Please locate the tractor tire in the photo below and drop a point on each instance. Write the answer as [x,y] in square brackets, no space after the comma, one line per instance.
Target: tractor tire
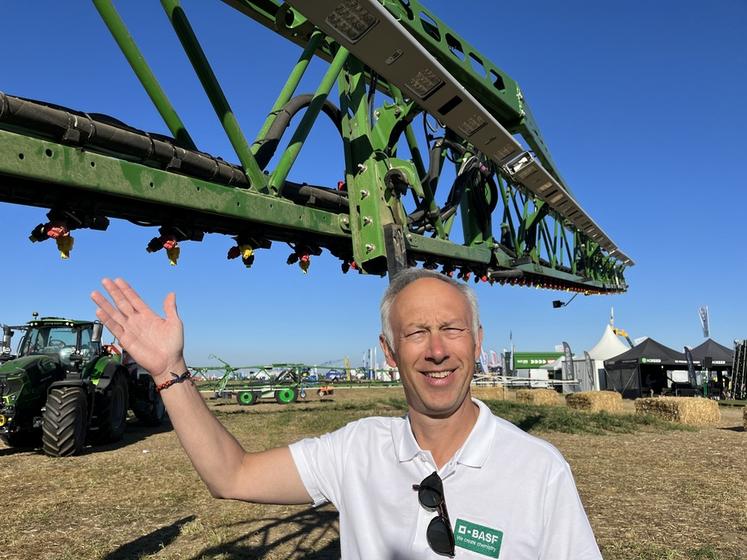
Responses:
[246,398]
[286,396]
[21,439]
[111,411]
[150,411]
[64,421]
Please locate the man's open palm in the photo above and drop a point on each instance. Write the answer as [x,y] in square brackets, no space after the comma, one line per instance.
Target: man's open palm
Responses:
[155,343]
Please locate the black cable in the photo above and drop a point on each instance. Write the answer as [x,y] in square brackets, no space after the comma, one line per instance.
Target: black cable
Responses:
[269,144]
[371,95]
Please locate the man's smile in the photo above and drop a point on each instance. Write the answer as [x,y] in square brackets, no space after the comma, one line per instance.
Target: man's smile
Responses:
[439,374]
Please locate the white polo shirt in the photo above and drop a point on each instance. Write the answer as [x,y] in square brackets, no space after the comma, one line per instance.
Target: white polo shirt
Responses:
[509,495]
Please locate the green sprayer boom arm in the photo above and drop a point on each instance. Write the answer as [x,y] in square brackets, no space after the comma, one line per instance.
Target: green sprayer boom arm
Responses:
[390,62]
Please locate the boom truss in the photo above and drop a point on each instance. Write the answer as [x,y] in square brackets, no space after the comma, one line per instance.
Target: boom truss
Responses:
[519,221]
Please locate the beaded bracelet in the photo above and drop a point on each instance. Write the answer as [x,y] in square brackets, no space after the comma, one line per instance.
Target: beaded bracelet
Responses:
[177,379]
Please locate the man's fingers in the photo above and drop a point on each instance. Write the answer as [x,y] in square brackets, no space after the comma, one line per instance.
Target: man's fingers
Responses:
[114,327]
[118,296]
[132,296]
[169,307]
[111,312]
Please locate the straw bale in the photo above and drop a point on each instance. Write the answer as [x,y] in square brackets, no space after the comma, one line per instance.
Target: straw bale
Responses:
[744,418]
[595,401]
[684,410]
[488,392]
[542,397]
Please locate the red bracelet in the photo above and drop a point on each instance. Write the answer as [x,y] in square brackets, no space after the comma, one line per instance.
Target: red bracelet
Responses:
[177,379]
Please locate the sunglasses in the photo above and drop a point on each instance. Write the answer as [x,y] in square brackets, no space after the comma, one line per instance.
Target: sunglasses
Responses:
[431,496]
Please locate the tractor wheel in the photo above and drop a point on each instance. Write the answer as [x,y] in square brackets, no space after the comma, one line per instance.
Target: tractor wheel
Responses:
[111,412]
[246,398]
[64,421]
[21,439]
[150,411]
[286,396]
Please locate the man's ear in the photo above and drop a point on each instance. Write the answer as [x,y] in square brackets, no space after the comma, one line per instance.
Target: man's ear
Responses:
[388,352]
[478,343]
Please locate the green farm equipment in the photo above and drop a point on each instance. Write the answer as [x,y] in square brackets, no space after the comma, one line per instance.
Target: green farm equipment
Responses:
[284,389]
[279,382]
[64,388]
[476,193]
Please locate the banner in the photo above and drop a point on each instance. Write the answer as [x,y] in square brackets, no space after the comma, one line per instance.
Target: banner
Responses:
[530,360]
[690,368]
[592,373]
[568,361]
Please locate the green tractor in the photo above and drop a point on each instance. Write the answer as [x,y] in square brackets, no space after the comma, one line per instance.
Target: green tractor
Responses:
[64,388]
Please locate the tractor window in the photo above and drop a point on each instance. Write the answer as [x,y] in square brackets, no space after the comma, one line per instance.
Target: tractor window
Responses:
[48,340]
[86,348]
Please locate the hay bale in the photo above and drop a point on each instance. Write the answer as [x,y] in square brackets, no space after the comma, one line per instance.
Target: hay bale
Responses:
[541,397]
[744,418]
[595,401]
[487,392]
[693,411]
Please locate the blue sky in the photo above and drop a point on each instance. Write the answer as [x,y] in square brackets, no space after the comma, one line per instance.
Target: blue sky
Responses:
[641,104]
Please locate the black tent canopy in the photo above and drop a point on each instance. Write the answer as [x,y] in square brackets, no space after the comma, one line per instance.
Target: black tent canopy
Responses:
[719,354]
[718,360]
[644,369]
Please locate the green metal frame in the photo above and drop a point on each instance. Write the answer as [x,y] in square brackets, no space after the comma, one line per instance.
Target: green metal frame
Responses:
[522,241]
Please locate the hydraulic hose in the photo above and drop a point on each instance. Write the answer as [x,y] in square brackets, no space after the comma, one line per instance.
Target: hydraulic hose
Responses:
[269,144]
[105,134]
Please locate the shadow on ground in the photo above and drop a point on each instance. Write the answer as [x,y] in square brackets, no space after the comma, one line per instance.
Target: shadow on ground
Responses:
[299,535]
[529,422]
[135,432]
[150,543]
[311,533]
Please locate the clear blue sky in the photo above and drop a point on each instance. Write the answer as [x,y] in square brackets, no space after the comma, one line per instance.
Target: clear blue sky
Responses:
[641,104]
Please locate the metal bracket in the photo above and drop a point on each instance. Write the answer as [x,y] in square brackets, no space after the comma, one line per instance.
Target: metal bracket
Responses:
[396,252]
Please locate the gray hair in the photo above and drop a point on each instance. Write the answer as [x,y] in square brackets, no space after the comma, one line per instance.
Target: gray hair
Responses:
[406,277]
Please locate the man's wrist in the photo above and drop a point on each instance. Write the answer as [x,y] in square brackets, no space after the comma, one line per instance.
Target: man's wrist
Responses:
[186,376]
[177,367]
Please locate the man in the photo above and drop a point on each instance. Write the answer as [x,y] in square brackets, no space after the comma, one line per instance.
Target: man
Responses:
[509,495]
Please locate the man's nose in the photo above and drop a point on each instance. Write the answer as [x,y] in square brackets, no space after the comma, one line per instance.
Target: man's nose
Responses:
[436,350]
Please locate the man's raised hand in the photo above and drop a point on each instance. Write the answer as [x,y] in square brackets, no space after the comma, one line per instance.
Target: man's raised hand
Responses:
[156,343]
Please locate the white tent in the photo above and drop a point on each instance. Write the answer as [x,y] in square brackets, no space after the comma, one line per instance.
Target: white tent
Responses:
[608,346]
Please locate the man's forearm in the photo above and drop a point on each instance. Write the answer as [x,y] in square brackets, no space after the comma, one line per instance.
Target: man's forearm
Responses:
[214,452]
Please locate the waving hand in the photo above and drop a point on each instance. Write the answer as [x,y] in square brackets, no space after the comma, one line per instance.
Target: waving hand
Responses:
[155,342]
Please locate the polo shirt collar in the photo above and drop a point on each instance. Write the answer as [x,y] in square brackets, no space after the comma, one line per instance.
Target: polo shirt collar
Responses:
[473,453]
[476,449]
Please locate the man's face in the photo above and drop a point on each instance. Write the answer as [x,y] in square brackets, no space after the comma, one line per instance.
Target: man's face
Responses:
[434,346]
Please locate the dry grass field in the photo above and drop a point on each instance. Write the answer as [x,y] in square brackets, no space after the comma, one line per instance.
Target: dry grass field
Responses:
[651,492]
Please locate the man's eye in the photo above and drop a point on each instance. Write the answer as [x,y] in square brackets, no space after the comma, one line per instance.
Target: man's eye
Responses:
[453,332]
[414,335]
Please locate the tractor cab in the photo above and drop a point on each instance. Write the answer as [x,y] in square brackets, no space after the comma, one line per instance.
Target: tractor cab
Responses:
[69,342]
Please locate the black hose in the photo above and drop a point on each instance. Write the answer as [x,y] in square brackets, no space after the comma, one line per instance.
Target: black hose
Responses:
[466,177]
[269,144]
[106,134]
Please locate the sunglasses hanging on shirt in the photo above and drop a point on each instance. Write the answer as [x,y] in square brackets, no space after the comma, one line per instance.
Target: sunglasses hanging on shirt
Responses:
[431,496]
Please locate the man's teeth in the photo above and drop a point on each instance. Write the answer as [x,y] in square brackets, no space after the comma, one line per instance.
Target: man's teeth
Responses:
[439,374]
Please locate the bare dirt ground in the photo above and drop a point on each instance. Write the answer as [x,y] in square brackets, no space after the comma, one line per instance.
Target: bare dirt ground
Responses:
[649,495]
